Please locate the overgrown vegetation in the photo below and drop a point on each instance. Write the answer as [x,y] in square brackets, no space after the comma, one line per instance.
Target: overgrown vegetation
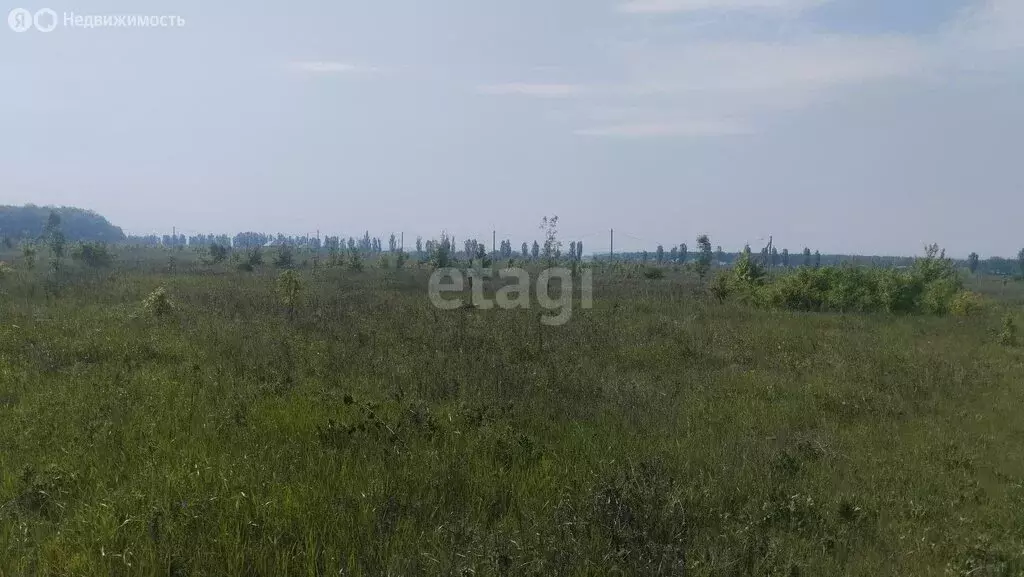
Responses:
[932,285]
[173,416]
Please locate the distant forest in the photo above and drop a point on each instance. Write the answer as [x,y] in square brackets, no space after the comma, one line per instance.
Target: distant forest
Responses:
[28,222]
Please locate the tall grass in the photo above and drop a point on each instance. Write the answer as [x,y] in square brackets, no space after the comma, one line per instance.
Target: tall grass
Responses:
[356,430]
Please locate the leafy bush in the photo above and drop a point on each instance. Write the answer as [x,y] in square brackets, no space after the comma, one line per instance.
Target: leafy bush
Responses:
[253,259]
[288,288]
[654,273]
[966,303]
[218,253]
[93,254]
[721,287]
[748,271]
[157,303]
[931,286]
[285,257]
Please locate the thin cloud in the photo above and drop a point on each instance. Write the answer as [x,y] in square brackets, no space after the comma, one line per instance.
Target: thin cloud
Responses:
[532,90]
[668,129]
[688,89]
[677,6]
[331,67]
[990,25]
[685,87]
[804,65]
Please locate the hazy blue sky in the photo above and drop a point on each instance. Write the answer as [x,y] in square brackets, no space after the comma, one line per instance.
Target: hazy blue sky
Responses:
[869,126]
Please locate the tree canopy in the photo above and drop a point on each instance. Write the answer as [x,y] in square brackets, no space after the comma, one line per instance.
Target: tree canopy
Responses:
[30,221]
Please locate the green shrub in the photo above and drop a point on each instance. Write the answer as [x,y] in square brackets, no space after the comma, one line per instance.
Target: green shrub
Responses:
[288,288]
[285,257]
[931,286]
[158,303]
[721,287]
[654,273]
[966,303]
[1008,335]
[747,271]
[93,254]
[355,261]
[937,296]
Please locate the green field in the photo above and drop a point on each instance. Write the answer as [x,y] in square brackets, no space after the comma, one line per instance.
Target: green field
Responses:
[367,433]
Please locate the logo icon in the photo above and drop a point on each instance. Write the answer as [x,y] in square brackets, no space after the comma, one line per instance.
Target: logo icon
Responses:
[20,20]
[45,20]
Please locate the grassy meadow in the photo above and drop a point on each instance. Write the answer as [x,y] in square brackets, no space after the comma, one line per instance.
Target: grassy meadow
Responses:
[365,432]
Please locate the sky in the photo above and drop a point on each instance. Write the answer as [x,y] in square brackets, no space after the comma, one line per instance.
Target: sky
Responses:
[849,126]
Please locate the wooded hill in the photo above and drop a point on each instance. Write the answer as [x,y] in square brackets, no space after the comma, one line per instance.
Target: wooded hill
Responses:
[29,222]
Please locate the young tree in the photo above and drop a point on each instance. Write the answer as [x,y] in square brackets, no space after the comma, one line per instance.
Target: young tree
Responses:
[93,254]
[785,257]
[392,243]
[703,264]
[288,288]
[254,259]
[817,259]
[775,257]
[440,255]
[52,221]
[552,246]
[747,270]
[659,254]
[28,252]
[972,262]
[218,253]
[579,250]
[525,250]
[355,260]
[54,236]
[1020,261]
[807,257]
[673,255]
[419,244]
[572,250]
[285,257]
[684,253]
[535,251]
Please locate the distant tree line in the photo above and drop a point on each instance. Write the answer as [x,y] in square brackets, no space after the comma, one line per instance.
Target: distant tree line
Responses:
[36,224]
[29,223]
